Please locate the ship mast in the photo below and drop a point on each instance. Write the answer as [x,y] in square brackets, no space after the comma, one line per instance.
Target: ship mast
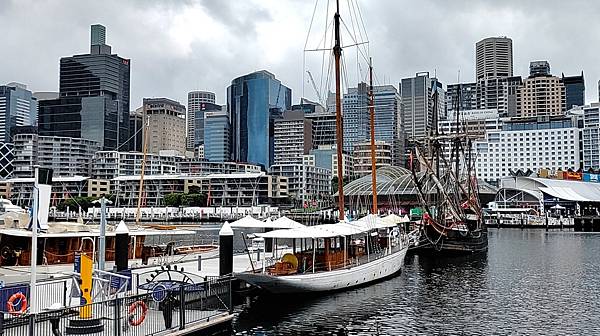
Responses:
[373,162]
[337,53]
[141,190]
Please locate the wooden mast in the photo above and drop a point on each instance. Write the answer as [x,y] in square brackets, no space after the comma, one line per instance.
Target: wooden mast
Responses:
[337,53]
[140,192]
[373,156]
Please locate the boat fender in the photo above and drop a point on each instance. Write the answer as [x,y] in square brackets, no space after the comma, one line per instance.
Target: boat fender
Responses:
[132,312]
[17,300]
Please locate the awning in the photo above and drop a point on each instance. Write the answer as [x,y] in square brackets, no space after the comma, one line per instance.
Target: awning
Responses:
[317,231]
[371,222]
[568,194]
[395,219]
[286,223]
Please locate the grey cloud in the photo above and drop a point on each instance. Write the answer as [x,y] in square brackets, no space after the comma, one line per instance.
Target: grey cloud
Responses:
[405,37]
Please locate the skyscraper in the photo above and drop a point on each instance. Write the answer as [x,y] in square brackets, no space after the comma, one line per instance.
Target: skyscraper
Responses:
[17,108]
[417,105]
[574,90]
[537,68]
[253,102]
[217,137]
[494,64]
[355,109]
[197,106]
[465,93]
[494,57]
[94,96]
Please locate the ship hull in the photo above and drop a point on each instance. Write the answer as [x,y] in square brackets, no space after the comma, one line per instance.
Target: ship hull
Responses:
[453,244]
[335,280]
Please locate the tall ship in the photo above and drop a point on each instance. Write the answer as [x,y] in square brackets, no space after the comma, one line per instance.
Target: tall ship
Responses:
[343,255]
[444,173]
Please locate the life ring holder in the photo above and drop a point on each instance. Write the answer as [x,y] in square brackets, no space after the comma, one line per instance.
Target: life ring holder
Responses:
[133,309]
[21,300]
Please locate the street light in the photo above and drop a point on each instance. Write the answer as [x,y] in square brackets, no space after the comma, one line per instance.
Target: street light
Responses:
[102,238]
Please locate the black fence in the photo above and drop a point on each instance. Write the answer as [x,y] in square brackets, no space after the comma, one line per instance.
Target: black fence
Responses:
[156,312]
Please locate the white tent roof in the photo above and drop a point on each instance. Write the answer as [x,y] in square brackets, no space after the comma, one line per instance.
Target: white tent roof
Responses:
[317,231]
[371,222]
[286,223]
[248,222]
[280,223]
[395,219]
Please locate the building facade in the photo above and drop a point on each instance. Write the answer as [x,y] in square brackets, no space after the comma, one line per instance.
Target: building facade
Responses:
[65,156]
[494,58]
[528,143]
[106,165]
[94,97]
[541,95]
[307,184]
[462,96]
[324,128]
[254,101]
[7,158]
[18,107]
[217,137]
[591,136]
[362,157]
[166,125]
[574,90]
[325,156]
[198,103]
[417,105]
[292,137]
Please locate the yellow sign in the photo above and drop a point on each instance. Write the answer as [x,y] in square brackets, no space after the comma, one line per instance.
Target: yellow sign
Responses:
[85,272]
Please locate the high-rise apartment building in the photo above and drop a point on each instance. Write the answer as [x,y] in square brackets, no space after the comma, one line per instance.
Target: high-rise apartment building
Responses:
[574,90]
[166,125]
[293,137]
[254,101]
[94,96]
[18,107]
[541,95]
[66,156]
[217,137]
[325,156]
[324,128]
[198,103]
[494,58]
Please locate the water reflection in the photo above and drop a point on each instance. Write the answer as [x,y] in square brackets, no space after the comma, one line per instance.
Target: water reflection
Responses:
[529,282]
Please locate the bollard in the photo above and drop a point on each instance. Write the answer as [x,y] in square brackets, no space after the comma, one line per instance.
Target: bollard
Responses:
[121,246]
[225,250]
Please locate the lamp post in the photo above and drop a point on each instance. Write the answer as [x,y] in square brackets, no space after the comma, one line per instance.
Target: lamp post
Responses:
[102,237]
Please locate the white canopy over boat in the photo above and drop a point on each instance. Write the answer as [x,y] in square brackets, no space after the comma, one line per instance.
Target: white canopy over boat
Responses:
[286,223]
[395,219]
[371,222]
[280,223]
[318,231]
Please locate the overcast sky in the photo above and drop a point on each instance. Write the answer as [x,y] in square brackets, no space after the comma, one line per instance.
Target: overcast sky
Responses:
[180,46]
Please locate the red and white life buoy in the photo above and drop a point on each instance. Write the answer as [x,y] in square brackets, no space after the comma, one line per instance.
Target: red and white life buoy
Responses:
[133,311]
[17,300]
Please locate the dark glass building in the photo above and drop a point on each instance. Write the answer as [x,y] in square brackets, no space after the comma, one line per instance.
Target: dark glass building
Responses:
[253,102]
[94,97]
[199,117]
[574,90]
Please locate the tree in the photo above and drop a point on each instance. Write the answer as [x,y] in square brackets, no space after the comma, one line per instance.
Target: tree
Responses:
[173,199]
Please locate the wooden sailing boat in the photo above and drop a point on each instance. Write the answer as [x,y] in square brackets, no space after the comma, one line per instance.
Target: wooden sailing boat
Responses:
[448,192]
[342,255]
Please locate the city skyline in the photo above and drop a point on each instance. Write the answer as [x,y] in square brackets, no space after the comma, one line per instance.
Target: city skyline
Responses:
[202,45]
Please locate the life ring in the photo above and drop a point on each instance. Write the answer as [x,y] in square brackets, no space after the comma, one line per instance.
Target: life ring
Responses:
[132,312]
[21,300]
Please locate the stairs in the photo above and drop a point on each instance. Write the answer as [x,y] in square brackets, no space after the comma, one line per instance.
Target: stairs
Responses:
[84,327]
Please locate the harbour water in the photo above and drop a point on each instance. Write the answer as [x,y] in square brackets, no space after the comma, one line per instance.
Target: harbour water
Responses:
[530,282]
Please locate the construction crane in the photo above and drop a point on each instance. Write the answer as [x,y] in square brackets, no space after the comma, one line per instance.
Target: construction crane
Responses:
[312,81]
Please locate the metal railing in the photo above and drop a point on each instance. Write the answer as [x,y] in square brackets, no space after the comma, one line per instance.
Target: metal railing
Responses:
[150,313]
